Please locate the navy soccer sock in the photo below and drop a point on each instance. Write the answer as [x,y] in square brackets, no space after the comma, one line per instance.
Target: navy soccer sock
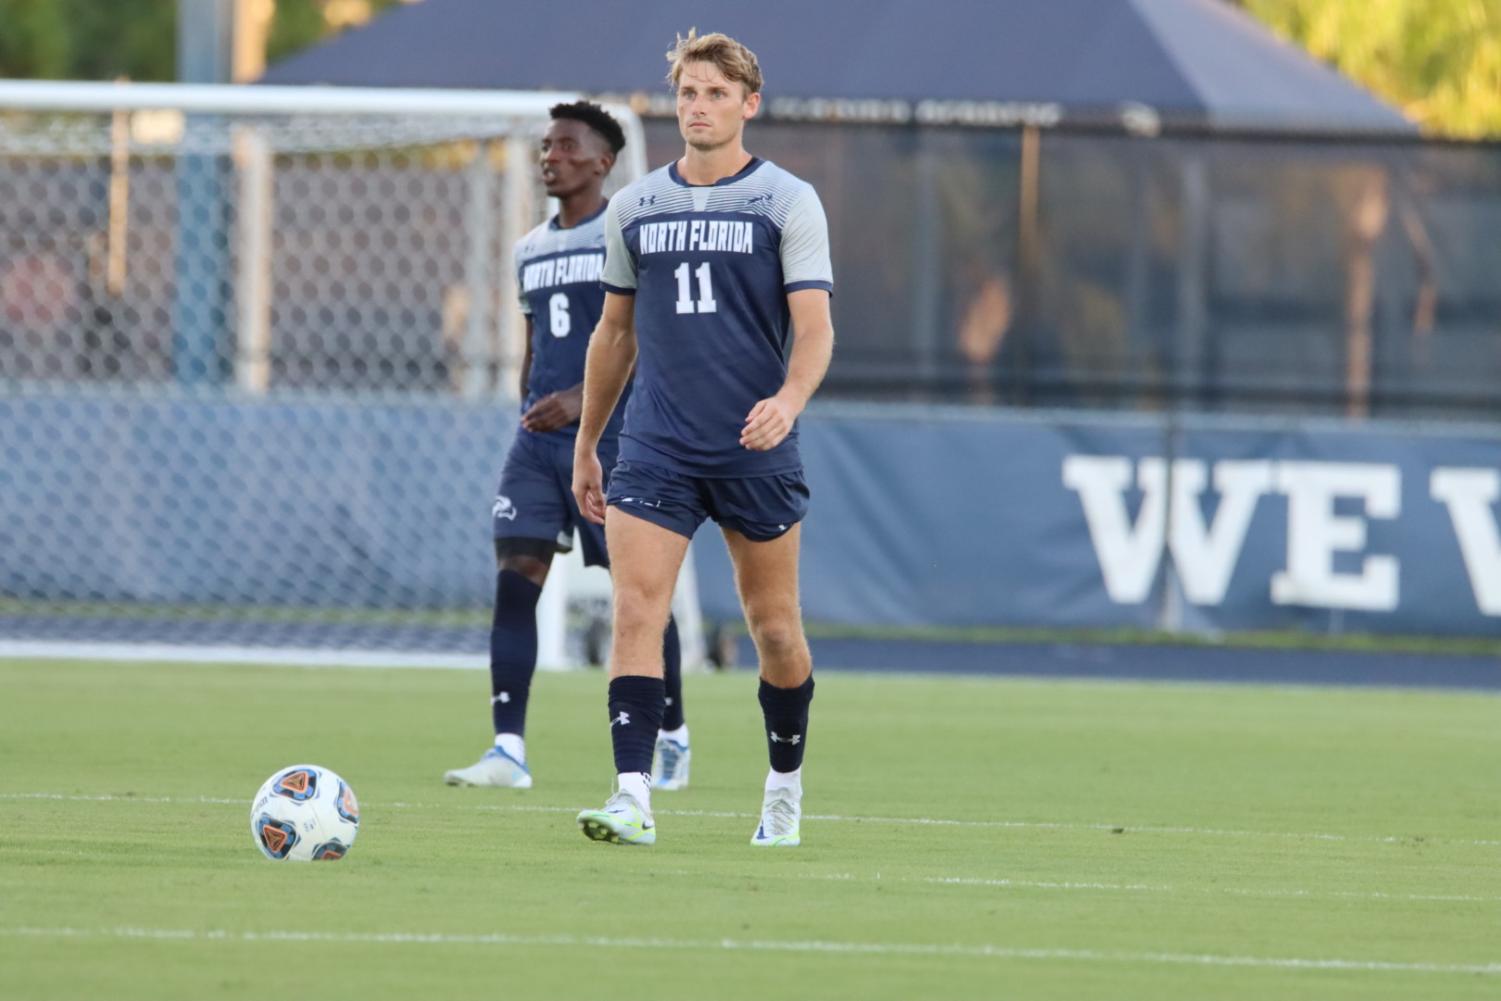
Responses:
[786,714]
[635,717]
[672,677]
[513,650]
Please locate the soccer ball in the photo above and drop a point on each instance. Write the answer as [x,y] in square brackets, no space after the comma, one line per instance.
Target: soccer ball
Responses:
[304,813]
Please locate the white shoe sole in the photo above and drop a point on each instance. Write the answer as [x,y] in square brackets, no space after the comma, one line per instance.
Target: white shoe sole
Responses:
[458,778]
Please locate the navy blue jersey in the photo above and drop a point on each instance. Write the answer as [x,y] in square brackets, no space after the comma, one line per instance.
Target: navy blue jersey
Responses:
[558,274]
[710,267]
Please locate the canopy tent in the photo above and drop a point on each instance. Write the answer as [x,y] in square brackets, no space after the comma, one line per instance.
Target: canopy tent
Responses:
[1194,63]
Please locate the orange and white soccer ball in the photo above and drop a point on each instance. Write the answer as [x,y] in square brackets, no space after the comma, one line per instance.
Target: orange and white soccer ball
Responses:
[304,813]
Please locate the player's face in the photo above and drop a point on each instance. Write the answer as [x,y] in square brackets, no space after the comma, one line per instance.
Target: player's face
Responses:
[711,109]
[573,157]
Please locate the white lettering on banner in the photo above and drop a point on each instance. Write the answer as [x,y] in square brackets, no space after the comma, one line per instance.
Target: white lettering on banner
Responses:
[1128,555]
[1469,494]
[1315,533]
[1204,555]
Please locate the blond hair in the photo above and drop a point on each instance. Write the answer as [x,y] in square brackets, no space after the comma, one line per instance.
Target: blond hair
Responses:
[734,60]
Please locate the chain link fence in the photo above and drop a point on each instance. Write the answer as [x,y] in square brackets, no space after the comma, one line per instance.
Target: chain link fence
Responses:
[258,363]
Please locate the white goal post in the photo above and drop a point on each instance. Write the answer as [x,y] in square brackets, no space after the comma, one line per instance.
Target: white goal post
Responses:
[363,240]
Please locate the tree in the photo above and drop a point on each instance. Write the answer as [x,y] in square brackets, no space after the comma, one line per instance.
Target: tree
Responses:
[99,40]
[1440,60]
[34,41]
[300,23]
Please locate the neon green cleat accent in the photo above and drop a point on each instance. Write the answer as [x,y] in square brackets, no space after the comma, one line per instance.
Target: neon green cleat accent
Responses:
[623,821]
[781,811]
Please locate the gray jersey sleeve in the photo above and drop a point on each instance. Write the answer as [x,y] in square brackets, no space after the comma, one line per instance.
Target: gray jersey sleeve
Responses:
[805,245]
[526,307]
[620,266]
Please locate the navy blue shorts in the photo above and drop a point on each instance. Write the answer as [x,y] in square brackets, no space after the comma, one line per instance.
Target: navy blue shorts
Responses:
[534,510]
[761,508]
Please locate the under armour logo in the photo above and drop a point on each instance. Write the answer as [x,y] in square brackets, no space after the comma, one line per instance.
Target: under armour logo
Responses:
[624,719]
[794,740]
[501,697]
[646,200]
[503,508]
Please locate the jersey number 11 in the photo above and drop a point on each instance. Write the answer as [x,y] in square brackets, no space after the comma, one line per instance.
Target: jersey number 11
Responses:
[706,303]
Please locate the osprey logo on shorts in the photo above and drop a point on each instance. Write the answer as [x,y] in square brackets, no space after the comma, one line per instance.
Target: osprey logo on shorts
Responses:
[503,508]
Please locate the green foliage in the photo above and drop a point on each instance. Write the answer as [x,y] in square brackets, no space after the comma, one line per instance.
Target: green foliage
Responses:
[1440,60]
[132,38]
[88,40]
[300,23]
[105,39]
[33,39]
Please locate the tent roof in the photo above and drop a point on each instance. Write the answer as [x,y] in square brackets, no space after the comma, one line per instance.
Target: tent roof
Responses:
[1197,62]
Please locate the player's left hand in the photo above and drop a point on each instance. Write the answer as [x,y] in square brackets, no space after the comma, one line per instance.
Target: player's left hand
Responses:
[555,410]
[589,485]
[768,423]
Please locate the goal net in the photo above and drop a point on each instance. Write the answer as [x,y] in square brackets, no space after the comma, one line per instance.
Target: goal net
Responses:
[259,365]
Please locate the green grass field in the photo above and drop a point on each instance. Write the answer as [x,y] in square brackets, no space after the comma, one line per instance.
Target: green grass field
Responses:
[963,838]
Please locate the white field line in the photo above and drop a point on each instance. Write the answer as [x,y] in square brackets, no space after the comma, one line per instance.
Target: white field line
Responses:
[175,653]
[969,881]
[1034,825]
[758,945]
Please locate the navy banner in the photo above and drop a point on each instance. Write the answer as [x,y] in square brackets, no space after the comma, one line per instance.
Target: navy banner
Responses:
[920,517]
[967,519]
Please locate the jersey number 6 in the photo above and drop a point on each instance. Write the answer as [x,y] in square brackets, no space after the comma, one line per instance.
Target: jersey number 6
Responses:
[557,315]
[706,303]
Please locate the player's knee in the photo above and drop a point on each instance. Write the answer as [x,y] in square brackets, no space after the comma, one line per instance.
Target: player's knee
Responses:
[639,607]
[777,633]
[530,567]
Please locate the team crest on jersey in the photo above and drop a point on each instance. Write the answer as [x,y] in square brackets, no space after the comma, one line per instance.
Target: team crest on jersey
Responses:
[503,508]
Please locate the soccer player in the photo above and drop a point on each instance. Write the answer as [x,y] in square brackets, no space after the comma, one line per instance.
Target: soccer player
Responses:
[558,268]
[717,282]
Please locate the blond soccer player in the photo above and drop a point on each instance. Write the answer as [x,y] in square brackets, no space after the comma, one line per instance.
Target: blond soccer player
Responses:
[717,283]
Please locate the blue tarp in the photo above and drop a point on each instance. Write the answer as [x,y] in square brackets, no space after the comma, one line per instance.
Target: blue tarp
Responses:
[1198,62]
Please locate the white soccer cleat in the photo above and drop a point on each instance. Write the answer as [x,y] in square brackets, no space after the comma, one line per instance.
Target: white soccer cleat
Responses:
[669,764]
[623,821]
[781,811]
[496,768]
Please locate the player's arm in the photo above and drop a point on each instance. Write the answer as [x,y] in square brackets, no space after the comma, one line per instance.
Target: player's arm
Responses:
[526,360]
[808,279]
[555,410]
[771,420]
[607,367]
